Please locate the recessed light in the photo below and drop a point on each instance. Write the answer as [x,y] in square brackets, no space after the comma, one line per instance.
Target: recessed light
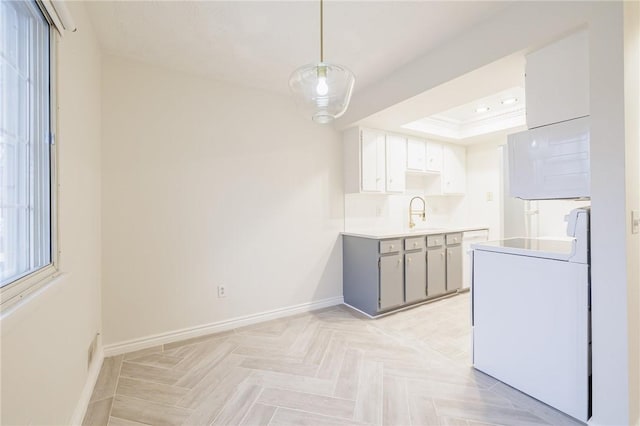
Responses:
[482,109]
[509,101]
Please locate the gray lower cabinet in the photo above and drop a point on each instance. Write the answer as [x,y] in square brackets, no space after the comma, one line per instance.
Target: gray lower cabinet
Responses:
[415,276]
[436,271]
[382,275]
[391,282]
[373,274]
[454,267]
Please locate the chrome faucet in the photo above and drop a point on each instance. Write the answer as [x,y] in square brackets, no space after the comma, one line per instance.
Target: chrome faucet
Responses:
[422,213]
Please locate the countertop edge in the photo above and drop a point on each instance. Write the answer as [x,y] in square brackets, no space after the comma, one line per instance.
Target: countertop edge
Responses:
[497,247]
[414,233]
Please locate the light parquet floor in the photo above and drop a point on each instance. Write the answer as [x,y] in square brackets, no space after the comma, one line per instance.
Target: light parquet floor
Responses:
[327,367]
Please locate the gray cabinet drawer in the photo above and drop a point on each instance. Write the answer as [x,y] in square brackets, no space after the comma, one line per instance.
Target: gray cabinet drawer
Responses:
[415,243]
[435,240]
[390,246]
[454,238]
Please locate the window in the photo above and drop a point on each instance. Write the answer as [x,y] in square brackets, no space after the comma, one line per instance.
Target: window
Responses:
[25,148]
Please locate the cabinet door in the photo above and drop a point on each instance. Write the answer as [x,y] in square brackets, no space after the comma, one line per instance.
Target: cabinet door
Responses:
[454,268]
[416,154]
[391,282]
[436,272]
[454,176]
[415,276]
[434,157]
[372,161]
[557,81]
[396,163]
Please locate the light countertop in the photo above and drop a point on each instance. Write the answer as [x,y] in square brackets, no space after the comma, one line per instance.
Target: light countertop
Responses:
[380,234]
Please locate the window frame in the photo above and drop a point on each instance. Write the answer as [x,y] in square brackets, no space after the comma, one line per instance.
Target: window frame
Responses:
[28,285]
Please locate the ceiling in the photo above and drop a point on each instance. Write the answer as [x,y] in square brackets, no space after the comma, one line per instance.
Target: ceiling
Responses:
[259,44]
[499,111]
[455,102]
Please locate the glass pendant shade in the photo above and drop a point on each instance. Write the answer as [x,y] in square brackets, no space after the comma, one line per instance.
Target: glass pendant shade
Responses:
[322,90]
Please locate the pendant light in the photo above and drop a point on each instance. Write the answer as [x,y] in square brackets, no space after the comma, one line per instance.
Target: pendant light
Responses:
[322,89]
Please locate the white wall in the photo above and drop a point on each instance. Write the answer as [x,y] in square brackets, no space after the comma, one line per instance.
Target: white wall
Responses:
[484,163]
[206,184]
[45,341]
[365,212]
[632,167]
[530,25]
[612,311]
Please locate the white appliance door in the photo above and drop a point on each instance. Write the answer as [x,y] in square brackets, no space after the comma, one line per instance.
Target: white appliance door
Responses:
[530,327]
[550,162]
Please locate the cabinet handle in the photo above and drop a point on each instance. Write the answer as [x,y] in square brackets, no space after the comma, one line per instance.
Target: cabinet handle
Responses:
[408,259]
[442,255]
[415,244]
[391,246]
[399,262]
[449,254]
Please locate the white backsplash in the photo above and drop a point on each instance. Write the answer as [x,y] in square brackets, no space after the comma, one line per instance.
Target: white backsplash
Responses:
[391,211]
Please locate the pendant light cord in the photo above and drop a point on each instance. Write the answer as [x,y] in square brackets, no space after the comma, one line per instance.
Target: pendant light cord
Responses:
[321,33]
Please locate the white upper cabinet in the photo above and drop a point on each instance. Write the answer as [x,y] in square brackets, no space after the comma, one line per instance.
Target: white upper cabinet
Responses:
[454,177]
[372,161]
[557,81]
[423,156]
[434,157]
[416,154]
[377,162]
[396,154]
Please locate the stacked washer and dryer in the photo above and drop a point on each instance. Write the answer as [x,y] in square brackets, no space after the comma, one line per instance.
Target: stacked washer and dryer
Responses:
[531,297]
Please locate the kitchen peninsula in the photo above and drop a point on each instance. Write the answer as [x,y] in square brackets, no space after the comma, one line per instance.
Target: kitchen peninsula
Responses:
[388,270]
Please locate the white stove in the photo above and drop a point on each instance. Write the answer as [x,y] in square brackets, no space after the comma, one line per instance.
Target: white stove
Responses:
[531,311]
[537,247]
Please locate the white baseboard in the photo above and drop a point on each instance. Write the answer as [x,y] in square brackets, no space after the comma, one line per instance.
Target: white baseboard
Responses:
[404,308]
[90,383]
[216,327]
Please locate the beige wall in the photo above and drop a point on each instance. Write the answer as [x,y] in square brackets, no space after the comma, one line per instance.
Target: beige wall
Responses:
[45,341]
[632,158]
[206,184]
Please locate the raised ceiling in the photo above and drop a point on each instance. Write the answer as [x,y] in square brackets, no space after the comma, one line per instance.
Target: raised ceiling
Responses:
[493,113]
[455,101]
[259,44]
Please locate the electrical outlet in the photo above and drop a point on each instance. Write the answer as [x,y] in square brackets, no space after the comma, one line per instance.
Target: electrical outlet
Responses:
[489,196]
[222,291]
